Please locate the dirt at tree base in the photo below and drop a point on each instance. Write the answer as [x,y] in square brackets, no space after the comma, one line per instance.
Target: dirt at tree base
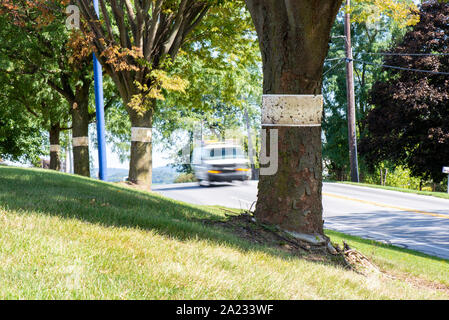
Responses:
[246,227]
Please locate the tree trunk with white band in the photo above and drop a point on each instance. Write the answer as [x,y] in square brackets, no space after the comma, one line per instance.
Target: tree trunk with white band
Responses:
[293,38]
[55,159]
[140,165]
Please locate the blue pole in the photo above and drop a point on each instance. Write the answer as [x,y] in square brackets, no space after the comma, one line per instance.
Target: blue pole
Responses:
[99,103]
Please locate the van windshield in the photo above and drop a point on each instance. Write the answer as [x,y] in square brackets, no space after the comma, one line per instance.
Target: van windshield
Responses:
[223,153]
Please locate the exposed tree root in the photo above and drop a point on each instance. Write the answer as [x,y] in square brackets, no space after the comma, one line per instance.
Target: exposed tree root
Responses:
[357,260]
[309,247]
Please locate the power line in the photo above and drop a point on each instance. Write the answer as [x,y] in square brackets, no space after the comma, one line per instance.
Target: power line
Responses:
[405,54]
[333,59]
[400,68]
[384,66]
[336,65]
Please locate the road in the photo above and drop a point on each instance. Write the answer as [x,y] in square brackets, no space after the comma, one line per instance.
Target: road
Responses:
[406,220]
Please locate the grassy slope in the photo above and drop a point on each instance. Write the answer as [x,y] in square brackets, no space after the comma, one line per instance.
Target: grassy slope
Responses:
[424,193]
[70,237]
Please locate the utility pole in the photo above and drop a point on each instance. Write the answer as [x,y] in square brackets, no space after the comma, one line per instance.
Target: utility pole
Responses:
[352,133]
[99,101]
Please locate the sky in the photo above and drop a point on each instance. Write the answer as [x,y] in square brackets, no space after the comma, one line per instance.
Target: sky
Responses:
[113,160]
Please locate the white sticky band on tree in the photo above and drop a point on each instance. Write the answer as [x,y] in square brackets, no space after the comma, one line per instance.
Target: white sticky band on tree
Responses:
[292,110]
[55,148]
[80,141]
[139,134]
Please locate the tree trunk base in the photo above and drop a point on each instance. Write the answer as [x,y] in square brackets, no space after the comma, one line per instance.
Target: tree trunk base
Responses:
[81,161]
[143,187]
[315,248]
[307,246]
[292,197]
[141,159]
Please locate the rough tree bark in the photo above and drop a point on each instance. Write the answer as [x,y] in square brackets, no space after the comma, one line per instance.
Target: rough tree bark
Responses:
[55,160]
[293,38]
[80,129]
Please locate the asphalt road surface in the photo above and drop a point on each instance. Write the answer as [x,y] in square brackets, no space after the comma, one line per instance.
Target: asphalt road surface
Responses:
[406,220]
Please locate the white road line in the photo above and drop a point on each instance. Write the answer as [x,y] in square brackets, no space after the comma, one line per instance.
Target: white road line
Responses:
[381,236]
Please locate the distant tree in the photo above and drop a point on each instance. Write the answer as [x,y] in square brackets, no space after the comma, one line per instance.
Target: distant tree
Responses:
[214,103]
[211,56]
[409,122]
[30,100]
[35,42]
[373,30]
[136,42]
[21,136]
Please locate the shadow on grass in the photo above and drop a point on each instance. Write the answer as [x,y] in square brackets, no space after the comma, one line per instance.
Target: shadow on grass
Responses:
[109,205]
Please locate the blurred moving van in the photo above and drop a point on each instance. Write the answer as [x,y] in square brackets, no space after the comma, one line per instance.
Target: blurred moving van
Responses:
[220,162]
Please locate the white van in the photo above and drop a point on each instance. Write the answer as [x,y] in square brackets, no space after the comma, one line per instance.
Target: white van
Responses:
[220,162]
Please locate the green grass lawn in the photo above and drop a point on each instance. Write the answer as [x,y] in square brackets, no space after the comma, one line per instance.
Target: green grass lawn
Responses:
[442,195]
[66,237]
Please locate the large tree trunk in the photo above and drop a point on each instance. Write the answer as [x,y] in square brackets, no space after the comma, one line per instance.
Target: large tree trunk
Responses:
[55,160]
[141,162]
[80,133]
[293,38]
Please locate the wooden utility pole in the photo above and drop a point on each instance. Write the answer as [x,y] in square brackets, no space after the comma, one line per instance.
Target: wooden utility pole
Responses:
[352,134]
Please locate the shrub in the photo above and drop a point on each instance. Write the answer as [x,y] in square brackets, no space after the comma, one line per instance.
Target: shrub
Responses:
[185,177]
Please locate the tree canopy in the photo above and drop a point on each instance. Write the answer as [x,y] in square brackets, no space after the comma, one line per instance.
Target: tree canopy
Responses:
[408,124]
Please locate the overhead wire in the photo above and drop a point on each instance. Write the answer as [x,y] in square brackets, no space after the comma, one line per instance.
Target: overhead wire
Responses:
[399,68]
[336,65]
[405,54]
[389,66]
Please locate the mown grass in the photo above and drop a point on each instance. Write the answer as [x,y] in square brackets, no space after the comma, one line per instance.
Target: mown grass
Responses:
[442,195]
[66,237]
